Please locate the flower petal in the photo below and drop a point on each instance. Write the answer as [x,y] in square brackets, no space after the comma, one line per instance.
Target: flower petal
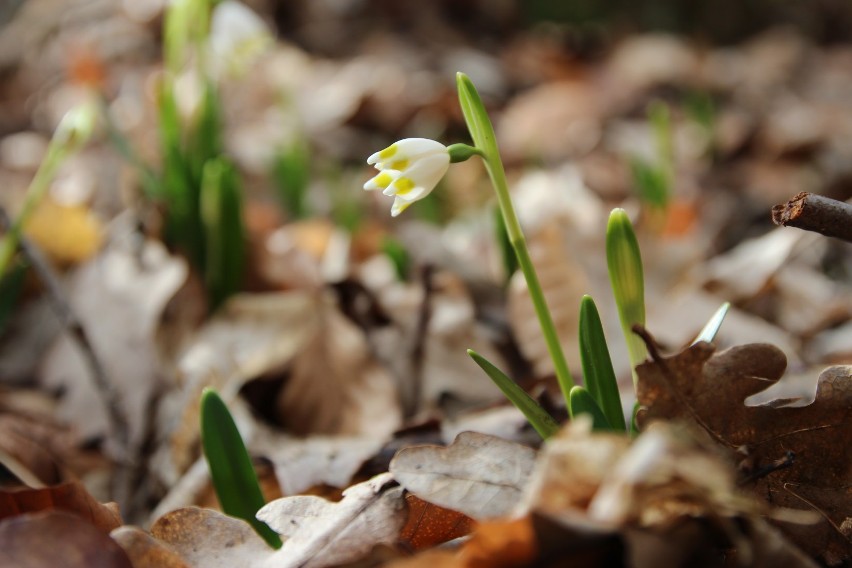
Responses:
[381,180]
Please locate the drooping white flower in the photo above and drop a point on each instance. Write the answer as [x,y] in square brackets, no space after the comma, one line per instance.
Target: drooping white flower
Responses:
[408,170]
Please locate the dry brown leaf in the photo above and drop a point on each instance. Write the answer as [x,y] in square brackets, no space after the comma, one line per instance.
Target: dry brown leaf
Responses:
[205,538]
[118,297]
[57,538]
[145,551]
[795,457]
[429,525]
[335,385]
[479,475]
[71,497]
[317,532]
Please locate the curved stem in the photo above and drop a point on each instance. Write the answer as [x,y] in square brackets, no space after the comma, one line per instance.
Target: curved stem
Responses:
[483,136]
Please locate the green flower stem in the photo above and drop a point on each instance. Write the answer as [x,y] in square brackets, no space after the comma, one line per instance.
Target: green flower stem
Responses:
[71,134]
[484,139]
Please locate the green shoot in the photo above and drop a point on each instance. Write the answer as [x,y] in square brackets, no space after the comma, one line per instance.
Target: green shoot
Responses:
[538,417]
[708,333]
[598,373]
[482,133]
[292,174]
[654,180]
[507,255]
[231,470]
[624,262]
[71,135]
[11,288]
[399,257]
[581,402]
[221,216]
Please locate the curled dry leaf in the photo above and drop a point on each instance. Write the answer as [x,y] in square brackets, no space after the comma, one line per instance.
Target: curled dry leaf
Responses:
[57,538]
[479,475]
[795,457]
[317,532]
[70,497]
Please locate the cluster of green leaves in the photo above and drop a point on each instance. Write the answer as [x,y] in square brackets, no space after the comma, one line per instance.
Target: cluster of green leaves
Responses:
[198,185]
[600,396]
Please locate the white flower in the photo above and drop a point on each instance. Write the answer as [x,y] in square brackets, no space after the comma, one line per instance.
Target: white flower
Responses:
[409,170]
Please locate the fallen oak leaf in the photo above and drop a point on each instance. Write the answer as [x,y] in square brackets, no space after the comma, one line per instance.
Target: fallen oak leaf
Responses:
[479,475]
[71,497]
[318,532]
[710,389]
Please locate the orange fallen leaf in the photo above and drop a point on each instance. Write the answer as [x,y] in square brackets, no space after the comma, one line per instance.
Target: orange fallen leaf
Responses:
[429,525]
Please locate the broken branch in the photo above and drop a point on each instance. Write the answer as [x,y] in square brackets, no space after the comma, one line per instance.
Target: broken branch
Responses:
[816,213]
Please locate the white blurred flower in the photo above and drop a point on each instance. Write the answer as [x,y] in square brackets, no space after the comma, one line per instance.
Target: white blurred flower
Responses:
[237,37]
[408,170]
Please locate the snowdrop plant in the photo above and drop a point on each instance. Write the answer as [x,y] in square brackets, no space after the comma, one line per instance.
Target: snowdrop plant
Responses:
[410,169]
[72,133]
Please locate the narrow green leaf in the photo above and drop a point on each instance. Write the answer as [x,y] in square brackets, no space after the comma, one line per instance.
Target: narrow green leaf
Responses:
[11,288]
[598,373]
[650,182]
[477,120]
[624,262]
[399,257]
[712,327]
[205,140]
[507,253]
[581,402]
[221,212]
[231,470]
[292,174]
[538,417]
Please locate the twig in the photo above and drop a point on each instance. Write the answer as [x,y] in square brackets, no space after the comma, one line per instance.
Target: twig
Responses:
[816,213]
[418,352]
[71,323]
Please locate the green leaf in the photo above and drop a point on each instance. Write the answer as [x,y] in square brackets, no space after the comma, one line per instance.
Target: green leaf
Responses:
[651,183]
[476,118]
[507,253]
[231,470]
[598,373]
[581,402]
[221,212]
[398,256]
[292,174]
[11,288]
[538,417]
[205,140]
[708,333]
[624,262]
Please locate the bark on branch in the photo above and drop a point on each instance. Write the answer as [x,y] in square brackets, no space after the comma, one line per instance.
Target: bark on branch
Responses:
[816,213]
